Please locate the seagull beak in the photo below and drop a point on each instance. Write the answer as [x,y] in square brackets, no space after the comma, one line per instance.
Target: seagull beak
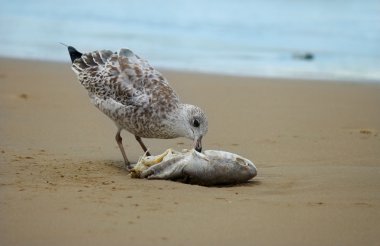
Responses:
[198,144]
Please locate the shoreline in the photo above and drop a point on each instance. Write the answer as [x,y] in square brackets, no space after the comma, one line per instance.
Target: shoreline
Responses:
[231,75]
[315,145]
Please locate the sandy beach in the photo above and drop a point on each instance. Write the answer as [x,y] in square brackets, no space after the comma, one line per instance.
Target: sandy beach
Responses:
[316,145]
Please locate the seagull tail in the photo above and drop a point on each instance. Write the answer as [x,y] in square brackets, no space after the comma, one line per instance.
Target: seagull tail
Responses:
[74,54]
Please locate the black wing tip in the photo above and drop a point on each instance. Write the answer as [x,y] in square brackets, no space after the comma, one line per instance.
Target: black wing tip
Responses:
[74,54]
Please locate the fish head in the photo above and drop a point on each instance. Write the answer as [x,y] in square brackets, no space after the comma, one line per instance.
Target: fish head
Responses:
[245,166]
[237,165]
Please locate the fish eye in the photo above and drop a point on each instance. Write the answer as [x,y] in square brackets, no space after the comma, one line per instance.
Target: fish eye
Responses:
[241,161]
[196,123]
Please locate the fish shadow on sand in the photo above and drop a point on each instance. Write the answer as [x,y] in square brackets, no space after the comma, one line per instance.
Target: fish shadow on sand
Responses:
[249,183]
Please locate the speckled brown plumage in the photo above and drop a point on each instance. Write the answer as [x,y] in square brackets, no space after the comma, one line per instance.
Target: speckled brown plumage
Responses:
[136,97]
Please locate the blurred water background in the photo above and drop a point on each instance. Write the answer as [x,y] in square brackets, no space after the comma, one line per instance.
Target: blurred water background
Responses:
[316,39]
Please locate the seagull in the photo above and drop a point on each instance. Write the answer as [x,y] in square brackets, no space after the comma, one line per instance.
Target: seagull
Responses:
[137,98]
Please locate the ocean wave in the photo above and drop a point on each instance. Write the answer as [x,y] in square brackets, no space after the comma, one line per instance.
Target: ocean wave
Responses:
[246,38]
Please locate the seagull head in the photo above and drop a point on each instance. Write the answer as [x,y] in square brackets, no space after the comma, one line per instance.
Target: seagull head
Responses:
[195,125]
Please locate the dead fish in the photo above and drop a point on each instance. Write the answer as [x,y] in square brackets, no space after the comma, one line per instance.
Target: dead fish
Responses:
[213,167]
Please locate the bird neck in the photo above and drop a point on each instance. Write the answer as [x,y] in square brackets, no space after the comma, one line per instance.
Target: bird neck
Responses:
[179,123]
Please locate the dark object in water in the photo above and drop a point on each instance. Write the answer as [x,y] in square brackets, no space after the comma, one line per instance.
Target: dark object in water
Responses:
[304,56]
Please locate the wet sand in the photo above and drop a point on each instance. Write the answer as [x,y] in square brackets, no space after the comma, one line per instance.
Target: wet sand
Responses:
[316,146]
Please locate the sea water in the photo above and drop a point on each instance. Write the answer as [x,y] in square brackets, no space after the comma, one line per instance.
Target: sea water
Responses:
[240,37]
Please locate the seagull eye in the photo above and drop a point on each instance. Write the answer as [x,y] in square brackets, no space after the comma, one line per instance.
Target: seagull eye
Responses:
[196,123]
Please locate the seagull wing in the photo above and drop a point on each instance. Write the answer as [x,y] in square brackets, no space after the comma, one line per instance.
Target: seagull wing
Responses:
[123,77]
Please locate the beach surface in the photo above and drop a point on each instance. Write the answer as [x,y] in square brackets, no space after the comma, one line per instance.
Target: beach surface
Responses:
[316,145]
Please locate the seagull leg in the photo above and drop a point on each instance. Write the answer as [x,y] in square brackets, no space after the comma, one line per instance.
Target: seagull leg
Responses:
[142,145]
[120,144]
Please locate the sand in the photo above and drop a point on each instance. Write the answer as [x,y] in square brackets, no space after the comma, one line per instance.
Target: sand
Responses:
[316,145]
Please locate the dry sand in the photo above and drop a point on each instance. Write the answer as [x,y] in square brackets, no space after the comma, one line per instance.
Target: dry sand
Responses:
[316,146]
